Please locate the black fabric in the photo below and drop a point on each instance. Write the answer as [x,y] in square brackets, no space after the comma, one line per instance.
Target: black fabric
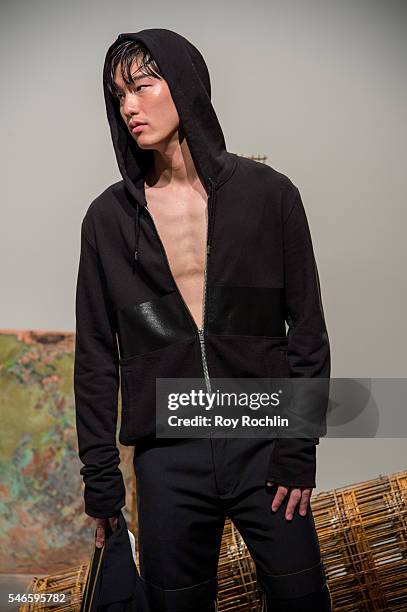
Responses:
[113,583]
[259,251]
[181,513]
[293,462]
[318,601]
[96,385]
[138,385]
[252,311]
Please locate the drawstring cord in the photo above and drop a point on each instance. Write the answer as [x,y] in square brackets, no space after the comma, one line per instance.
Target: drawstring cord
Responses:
[212,199]
[137,235]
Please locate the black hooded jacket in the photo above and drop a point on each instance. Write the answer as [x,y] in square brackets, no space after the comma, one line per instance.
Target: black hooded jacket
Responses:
[132,324]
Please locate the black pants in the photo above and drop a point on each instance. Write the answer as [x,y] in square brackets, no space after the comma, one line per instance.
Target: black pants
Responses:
[185,490]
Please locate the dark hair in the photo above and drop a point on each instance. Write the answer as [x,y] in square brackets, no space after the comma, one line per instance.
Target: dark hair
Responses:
[126,53]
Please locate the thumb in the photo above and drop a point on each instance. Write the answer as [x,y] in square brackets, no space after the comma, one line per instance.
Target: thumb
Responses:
[100,532]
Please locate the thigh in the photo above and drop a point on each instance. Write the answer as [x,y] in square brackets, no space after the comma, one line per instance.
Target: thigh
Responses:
[286,552]
[180,522]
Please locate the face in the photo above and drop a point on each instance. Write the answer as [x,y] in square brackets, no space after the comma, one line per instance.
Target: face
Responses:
[149,101]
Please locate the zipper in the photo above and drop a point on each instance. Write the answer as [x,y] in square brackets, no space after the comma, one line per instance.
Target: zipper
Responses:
[199,330]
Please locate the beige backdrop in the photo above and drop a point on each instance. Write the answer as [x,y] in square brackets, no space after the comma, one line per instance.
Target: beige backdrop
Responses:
[316,86]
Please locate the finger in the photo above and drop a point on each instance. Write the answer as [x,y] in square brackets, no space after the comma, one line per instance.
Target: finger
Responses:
[278,498]
[100,534]
[295,497]
[269,483]
[306,495]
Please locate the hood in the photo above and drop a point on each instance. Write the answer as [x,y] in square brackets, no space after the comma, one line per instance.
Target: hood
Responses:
[185,71]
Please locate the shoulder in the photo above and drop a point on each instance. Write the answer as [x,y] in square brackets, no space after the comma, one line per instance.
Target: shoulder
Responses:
[104,203]
[261,178]
[102,210]
[270,176]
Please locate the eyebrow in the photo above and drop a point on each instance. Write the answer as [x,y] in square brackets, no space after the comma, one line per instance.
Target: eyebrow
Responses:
[135,78]
[140,76]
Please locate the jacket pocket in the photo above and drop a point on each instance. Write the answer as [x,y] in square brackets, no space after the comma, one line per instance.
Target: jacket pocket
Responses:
[246,356]
[138,385]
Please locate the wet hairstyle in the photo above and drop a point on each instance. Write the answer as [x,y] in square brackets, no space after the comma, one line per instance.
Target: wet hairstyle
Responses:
[125,54]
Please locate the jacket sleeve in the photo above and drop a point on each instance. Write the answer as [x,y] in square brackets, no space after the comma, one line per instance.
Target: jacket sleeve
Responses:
[96,384]
[293,460]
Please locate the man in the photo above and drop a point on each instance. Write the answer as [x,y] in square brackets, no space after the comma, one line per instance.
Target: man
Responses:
[190,266]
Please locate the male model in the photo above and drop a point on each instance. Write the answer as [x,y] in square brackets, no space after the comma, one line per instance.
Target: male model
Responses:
[190,267]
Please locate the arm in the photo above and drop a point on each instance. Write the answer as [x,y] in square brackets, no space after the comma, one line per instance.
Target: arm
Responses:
[96,383]
[293,461]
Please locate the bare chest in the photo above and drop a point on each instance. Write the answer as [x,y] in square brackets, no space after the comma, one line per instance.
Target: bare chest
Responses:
[181,222]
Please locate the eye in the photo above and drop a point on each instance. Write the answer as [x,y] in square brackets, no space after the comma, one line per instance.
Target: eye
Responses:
[120,96]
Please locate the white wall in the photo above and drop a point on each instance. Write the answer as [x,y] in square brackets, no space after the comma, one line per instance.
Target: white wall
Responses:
[316,86]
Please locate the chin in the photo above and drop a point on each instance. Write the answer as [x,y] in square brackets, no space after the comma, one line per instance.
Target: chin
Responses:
[144,145]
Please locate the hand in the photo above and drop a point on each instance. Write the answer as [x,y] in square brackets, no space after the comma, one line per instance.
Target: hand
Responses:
[298,494]
[101,525]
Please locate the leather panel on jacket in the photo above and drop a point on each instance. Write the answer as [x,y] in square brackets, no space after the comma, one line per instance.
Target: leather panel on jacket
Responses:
[152,325]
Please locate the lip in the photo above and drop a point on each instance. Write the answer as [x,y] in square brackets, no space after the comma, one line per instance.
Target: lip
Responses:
[138,127]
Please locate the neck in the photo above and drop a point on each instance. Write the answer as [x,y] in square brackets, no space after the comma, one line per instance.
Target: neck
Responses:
[173,167]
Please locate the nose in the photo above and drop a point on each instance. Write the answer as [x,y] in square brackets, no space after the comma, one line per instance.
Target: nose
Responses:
[130,106]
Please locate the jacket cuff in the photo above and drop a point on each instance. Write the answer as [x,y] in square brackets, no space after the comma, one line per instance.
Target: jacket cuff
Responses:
[101,514]
[293,462]
[104,511]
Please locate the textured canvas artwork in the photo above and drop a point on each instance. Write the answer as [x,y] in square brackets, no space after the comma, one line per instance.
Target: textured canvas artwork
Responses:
[43,527]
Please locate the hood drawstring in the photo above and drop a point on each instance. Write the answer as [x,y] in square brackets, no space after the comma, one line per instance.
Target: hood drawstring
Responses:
[211,200]
[137,236]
